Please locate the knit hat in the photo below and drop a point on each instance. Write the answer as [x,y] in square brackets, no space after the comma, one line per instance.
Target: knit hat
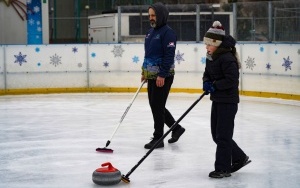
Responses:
[214,36]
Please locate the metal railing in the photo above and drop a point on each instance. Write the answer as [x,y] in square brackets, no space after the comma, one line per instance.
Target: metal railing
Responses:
[269,21]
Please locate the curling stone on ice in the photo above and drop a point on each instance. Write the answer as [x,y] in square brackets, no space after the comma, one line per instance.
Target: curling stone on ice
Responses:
[108,175]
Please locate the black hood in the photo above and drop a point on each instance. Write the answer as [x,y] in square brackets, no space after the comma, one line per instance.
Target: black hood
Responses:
[228,42]
[162,14]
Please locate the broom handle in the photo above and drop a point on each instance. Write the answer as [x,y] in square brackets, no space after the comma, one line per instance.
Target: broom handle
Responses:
[161,139]
[127,109]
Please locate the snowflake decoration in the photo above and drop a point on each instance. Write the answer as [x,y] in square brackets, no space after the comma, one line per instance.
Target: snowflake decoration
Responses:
[38,23]
[79,65]
[36,9]
[29,12]
[250,63]
[20,58]
[203,60]
[31,21]
[268,66]
[179,57]
[28,1]
[74,50]
[298,51]
[55,60]
[287,63]
[105,64]
[39,29]
[135,59]
[261,49]
[37,49]
[93,54]
[117,51]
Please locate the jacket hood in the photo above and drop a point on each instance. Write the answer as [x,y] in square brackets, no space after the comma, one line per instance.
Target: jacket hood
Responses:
[228,42]
[162,14]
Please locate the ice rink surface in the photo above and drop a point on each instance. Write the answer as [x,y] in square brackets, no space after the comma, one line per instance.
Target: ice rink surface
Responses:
[49,141]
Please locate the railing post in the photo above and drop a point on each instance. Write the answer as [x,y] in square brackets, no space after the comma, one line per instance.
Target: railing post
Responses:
[270,20]
[119,24]
[234,20]
[197,23]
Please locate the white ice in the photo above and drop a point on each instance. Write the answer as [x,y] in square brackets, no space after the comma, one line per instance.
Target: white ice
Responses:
[49,141]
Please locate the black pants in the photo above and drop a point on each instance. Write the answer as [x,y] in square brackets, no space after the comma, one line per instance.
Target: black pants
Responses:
[157,99]
[222,127]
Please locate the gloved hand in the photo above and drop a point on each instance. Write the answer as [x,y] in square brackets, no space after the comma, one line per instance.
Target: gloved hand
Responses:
[208,87]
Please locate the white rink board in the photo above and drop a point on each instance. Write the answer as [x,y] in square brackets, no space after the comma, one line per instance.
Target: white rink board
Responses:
[266,67]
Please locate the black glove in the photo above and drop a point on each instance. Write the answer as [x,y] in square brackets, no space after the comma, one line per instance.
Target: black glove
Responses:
[208,87]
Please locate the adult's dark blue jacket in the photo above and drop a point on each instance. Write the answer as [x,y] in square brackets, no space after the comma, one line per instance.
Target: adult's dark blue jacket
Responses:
[223,70]
[160,45]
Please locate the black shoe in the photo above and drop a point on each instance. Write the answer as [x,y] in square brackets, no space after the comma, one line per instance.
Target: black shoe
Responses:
[152,142]
[176,135]
[240,164]
[219,174]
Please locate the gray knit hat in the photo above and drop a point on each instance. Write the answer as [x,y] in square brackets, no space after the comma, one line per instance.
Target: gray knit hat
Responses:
[214,36]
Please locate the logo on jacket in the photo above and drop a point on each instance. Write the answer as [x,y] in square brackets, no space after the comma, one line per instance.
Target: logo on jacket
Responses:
[171,44]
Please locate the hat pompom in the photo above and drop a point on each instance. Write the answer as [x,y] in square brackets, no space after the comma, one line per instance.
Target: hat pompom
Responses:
[217,24]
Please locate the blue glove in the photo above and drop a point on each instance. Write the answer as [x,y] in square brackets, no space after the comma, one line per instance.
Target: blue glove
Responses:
[208,87]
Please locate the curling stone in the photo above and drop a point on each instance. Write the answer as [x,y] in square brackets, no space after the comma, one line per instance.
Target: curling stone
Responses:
[107,175]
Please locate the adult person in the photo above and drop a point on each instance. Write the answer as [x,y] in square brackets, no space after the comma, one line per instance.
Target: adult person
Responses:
[158,71]
[221,81]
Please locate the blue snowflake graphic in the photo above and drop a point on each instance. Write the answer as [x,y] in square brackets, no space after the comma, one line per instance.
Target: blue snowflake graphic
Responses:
[250,63]
[105,64]
[179,57]
[74,50]
[20,58]
[268,66]
[261,49]
[117,51]
[37,49]
[93,54]
[55,60]
[203,60]
[287,63]
[135,59]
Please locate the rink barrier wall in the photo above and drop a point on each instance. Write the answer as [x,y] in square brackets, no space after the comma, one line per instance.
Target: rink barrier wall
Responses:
[268,70]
